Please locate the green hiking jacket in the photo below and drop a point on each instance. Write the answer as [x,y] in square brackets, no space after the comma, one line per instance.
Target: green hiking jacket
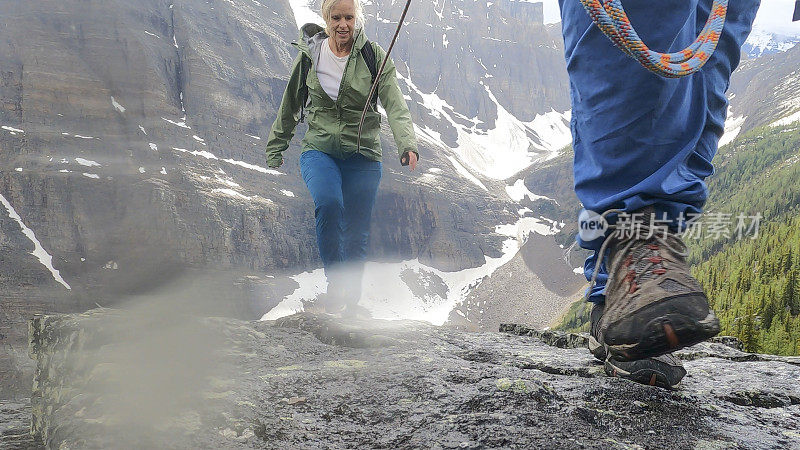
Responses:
[333,126]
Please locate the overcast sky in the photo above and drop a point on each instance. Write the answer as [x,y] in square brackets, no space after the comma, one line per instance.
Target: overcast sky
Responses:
[774,15]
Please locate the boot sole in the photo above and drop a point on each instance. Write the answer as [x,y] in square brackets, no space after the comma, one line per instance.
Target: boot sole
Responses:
[596,349]
[654,375]
[667,334]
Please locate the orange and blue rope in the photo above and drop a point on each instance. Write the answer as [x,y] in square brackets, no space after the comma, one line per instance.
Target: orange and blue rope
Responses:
[610,17]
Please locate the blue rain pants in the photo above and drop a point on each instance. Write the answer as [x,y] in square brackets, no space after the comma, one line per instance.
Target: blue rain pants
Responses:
[344,194]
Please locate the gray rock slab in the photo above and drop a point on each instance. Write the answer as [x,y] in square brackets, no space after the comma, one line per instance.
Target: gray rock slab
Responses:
[15,424]
[309,381]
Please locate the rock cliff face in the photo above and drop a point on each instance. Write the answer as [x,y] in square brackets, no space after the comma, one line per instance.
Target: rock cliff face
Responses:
[503,45]
[763,91]
[486,81]
[309,382]
[141,124]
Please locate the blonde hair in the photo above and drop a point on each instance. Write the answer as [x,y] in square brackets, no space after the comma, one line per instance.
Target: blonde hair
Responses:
[327,5]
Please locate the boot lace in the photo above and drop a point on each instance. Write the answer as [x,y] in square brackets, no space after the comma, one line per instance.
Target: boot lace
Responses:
[645,262]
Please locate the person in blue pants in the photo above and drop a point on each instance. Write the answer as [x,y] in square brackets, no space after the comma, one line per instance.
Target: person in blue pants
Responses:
[643,146]
[331,79]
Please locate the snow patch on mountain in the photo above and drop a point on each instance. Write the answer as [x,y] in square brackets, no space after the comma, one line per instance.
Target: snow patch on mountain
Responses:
[500,152]
[231,193]
[466,173]
[38,250]
[412,290]
[503,151]
[787,120]
[11,130]
[788,91]
[303,13]
[773,29]
[553,130]
[209,155]
[733,126]
[181,123]
[87,162]
[519,191]
[252,167]
[117,106]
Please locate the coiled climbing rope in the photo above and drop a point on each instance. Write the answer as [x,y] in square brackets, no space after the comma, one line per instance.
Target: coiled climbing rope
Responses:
[610,17]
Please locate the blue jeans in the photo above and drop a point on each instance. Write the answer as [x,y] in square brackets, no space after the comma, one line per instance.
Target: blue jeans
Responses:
[344,193]
[640,139]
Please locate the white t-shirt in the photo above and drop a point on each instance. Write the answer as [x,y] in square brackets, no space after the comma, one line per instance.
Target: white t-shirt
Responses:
[330,70]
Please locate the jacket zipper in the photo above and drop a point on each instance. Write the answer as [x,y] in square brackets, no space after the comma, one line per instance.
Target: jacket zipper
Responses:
[339,98]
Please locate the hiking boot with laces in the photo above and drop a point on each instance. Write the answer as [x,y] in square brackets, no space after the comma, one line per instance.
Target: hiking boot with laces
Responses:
[653,304]
[664,371]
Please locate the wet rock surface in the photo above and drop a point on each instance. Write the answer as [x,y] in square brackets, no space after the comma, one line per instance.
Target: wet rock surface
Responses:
[309,381]
[15,425]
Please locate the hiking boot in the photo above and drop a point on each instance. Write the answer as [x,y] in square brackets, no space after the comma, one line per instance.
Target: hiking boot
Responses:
[653,304]
[596,346]
[664,371]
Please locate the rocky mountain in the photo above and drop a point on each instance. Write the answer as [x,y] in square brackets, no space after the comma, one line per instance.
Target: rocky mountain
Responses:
[773,30]
[762,42]
[764,91]
[499,116]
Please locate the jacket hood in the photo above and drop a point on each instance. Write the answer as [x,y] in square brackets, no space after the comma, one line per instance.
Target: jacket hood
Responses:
[313,35]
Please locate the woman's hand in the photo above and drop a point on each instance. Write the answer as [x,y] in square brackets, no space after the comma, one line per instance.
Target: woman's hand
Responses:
[411,159]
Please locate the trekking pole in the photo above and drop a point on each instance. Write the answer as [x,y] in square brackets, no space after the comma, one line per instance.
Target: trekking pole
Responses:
[378,77]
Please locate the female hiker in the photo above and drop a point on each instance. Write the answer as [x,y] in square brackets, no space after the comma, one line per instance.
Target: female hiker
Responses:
[334,71]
